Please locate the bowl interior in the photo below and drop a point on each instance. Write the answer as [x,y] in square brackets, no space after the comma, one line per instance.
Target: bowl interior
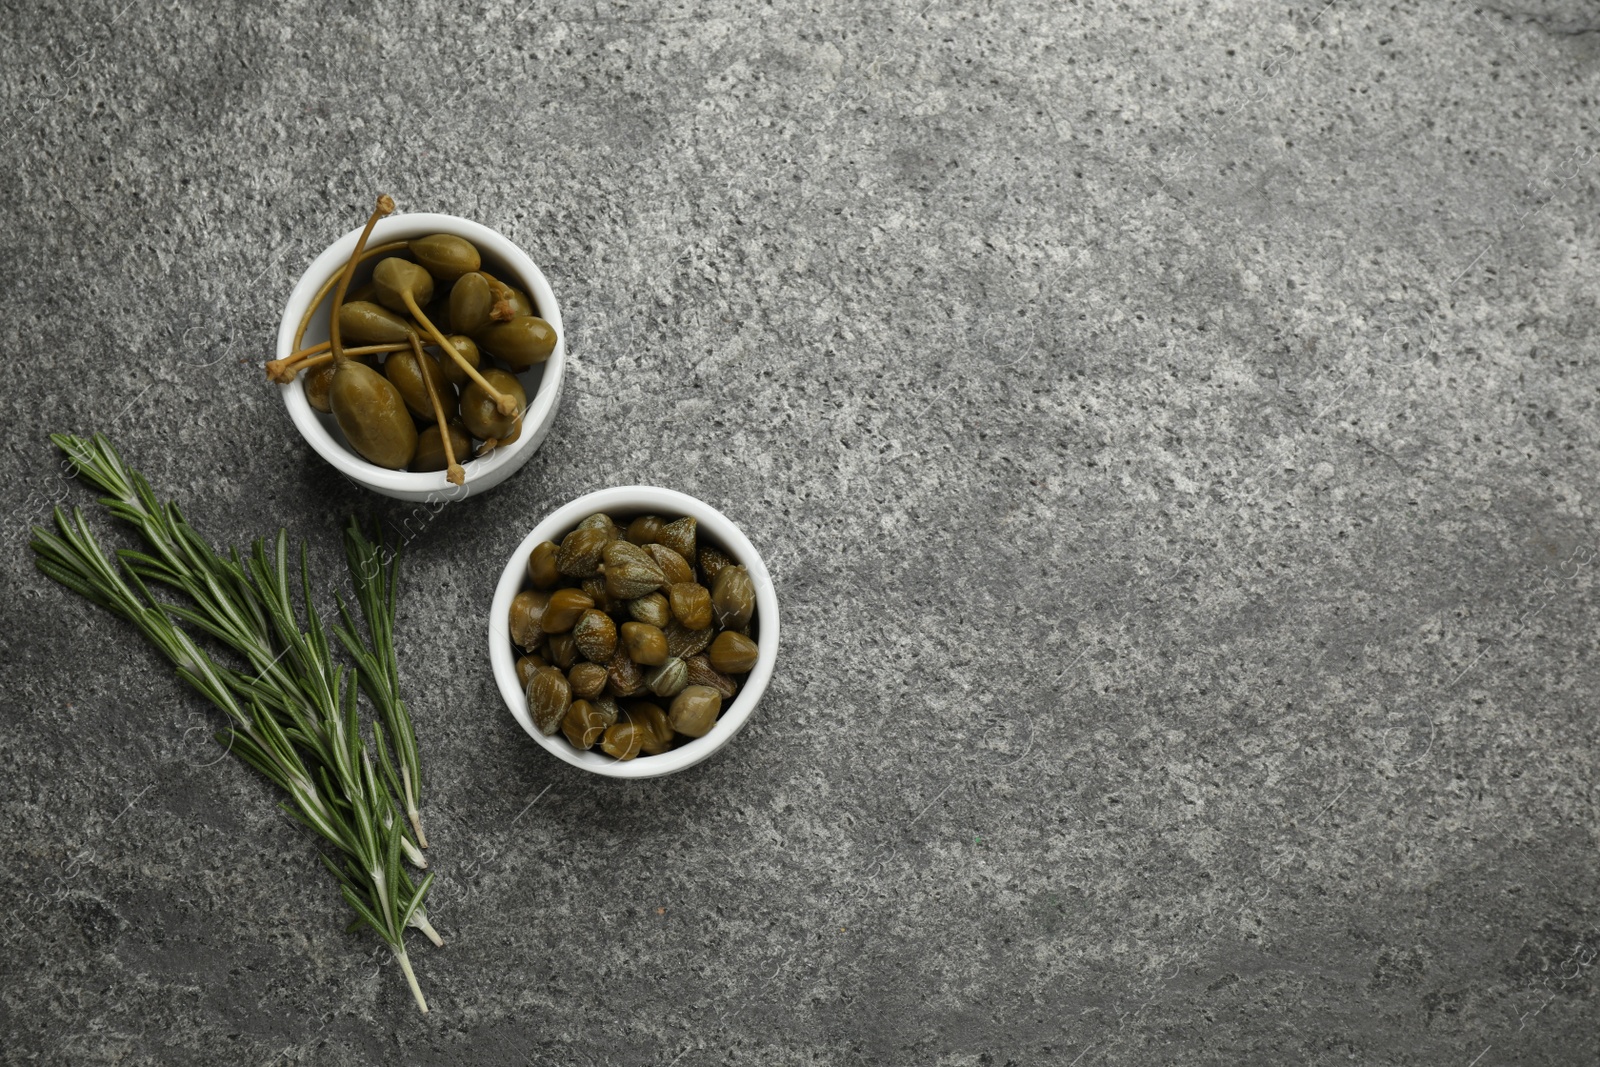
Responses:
[714,530]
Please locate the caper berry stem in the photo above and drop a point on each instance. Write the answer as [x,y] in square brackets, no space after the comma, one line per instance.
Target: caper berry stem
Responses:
[456,473]
[284,370]
[501,311]
[384,206]
[503,402]
[327,287]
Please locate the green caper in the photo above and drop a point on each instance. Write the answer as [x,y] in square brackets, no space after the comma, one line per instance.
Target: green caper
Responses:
[479,411]
[622,741]
[694,711]
[365,323]
[733,598]
[630,572]
[674,566]
[658,730]
[446,256]
[652,609]
[526,665]
[542,570]
[711,563]
[430,447]
[668,679]
[683,642]
[582,724]
[701,673]
[563,611]
[581,552]
[453,371]
[691,604]
[588,680]
[470,303]
[596,635]
[372,414]
[527,612]
[549,697]
[563,650]
[316,386]
[626,679]
[405,372]
[643,530]
[644,643]
[398,284]
[679,536]
[733,653]
[520,343]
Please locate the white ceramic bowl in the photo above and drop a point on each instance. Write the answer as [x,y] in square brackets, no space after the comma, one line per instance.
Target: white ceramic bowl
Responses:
[542,383]
[624,503]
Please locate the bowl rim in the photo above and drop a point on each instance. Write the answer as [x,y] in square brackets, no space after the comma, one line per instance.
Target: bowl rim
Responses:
[641,498]
[541,406]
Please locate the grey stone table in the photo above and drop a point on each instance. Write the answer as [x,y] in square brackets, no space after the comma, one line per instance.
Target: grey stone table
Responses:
[1172,430]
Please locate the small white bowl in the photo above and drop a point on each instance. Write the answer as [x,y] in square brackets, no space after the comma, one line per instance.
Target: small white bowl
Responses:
[542,383]
[714,528]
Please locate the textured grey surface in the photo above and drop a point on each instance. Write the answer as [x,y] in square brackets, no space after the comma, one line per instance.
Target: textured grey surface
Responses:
[1172,430]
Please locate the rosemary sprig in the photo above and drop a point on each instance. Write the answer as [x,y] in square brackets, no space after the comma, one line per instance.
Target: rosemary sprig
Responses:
[377,587]
[295,718]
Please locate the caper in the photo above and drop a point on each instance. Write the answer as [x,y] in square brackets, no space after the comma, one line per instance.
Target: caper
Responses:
[470,301]
[691,604]
[683,641]
[582,724]
[596,635]
[446,256]
[702,673]
[622,741]
[588,680]
[454,373]
[601,521]
[402,369]
[366,323]
[625,679]
[596,588]
[658,731]
[520,343]
[316,386]
[527,614]
[644,643]
[643,530]
[581,552]
[549,697]
[733,598]
[711,563]
[480,411]
[563,610]
[674,566]
[372,415]
[668,679]
[607,707]
[694,711]
[630,572]
[542,570]
[652,609]
[733,653]
[563,650]
[679,536]
[526,665]
[430,447]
